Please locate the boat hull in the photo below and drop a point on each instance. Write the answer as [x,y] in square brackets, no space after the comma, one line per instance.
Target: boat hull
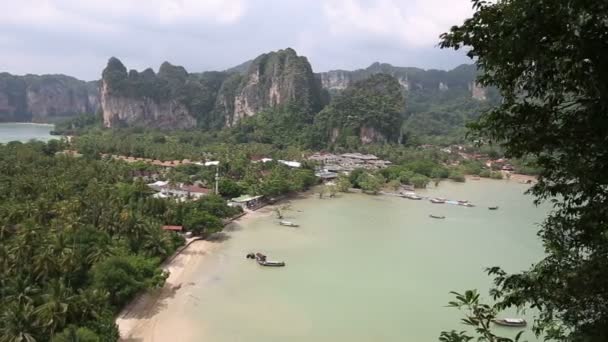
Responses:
[514,323]
[271,263]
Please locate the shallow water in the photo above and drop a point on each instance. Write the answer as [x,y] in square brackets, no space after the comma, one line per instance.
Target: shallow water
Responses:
[25,131]
[364,268]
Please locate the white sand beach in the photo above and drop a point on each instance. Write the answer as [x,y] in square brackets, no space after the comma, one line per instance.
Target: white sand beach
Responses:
[160,308]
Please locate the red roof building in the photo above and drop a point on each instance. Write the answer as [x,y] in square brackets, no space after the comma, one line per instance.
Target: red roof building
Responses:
[173,228]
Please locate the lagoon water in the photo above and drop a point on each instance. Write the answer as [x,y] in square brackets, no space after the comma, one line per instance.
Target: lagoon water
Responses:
[24,132]
[363,268]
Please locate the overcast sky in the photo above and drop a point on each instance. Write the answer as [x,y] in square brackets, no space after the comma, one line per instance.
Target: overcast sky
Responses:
[76,37]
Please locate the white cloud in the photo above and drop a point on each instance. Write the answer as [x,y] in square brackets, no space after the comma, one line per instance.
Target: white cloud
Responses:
[76,37]
[222,11]
[411,23]
[106,15]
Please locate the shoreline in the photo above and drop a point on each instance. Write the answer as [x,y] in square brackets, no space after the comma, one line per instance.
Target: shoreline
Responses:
[137,321]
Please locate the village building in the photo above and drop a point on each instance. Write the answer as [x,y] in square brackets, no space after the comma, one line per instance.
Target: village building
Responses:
[180,191]
[247,202]
[289,163]
[145,175]
[347,162]
[177,229]
[326,176]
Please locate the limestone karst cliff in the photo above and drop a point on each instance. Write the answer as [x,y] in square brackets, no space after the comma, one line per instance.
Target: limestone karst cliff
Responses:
[173,98]
[46,98]
[144,99]
[272,79]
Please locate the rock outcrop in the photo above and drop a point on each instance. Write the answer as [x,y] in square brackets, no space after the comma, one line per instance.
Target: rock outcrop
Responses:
[272,79]
[173,98]
[45,98]
[145,99]
[176,99]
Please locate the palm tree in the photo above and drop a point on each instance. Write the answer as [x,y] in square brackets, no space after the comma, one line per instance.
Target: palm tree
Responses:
[88,303]
[18,323]
[155,241]
[54,311]
[44,264]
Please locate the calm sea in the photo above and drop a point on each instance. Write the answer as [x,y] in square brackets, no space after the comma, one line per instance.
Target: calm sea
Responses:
[363,268]
[25,131]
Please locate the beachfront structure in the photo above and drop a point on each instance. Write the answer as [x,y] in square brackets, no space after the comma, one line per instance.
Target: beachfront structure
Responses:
[348,162]
[247,202]
[177,229]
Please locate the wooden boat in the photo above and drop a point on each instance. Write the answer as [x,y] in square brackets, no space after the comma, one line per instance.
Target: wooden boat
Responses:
[438,200]
[288,224]
[271,263]
[437,216]
[511,322]
[260,256]
[493,208]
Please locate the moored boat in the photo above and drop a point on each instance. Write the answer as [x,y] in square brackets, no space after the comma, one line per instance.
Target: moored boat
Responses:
[438,200]
[511,322]
[493,208]
[437,216]
[288,224]
[262,261]
[271,263]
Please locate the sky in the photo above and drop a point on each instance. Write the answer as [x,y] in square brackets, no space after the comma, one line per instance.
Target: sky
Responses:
[76,37]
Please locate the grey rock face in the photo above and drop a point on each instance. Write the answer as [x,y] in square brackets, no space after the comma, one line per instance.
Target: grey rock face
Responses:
[144,112]
[44,98]
[272,79]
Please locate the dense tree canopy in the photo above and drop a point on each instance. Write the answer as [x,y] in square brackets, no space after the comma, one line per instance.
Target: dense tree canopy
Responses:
[549,60]
[376,103]
[78,239]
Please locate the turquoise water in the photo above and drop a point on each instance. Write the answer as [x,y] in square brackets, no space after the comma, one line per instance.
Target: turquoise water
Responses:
[363,268]
[25,131]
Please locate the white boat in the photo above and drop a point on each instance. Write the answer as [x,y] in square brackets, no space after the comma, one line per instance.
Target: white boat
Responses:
[271,263]
[438,200]
[511,322]
[288,224]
